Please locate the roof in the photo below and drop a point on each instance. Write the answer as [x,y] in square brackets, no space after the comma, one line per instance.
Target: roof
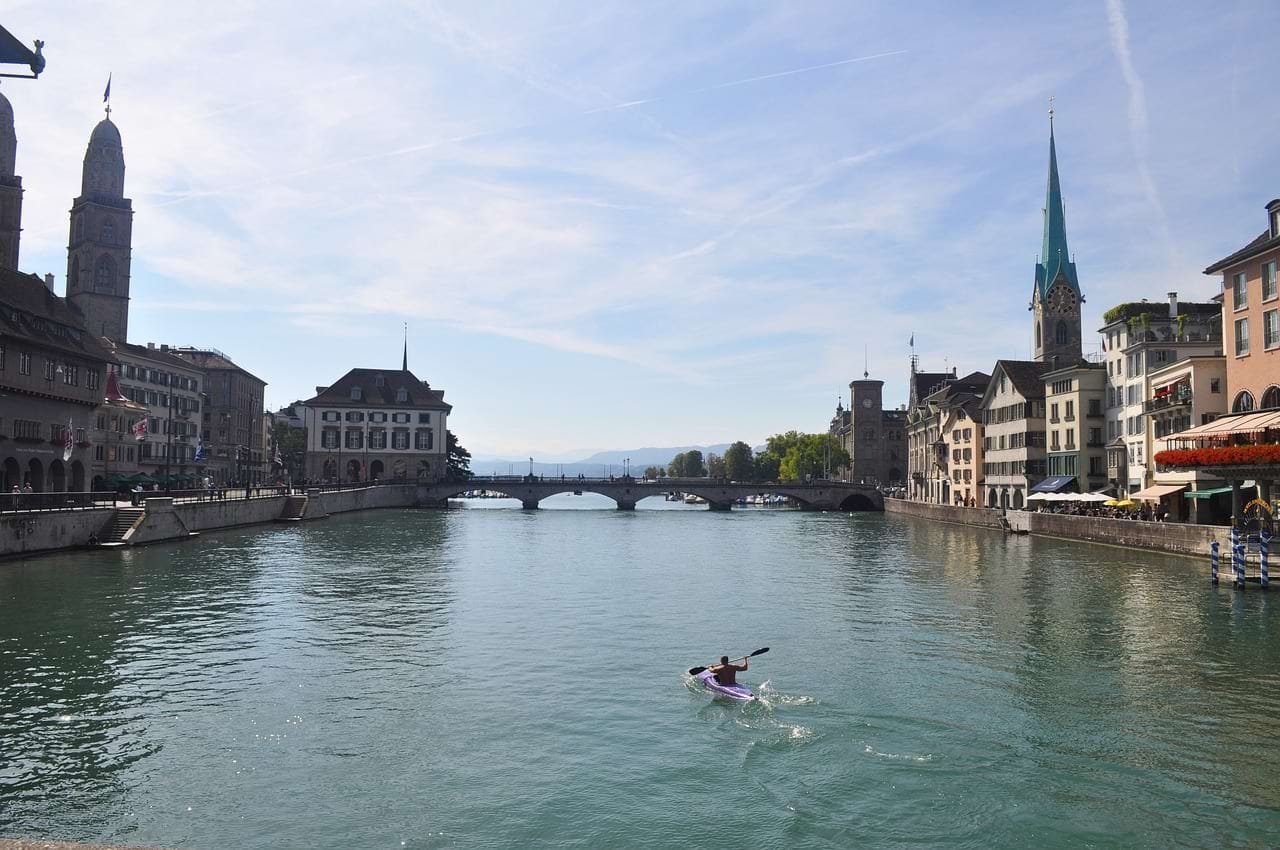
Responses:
[128,349]
[212,361]
[372,395]
[1264,242]
[1055,258]
[1027,376]
[926,383]
[29,311]
[106,132]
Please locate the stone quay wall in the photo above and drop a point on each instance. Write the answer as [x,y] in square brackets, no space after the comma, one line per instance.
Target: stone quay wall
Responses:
[1181,538]
[33,532]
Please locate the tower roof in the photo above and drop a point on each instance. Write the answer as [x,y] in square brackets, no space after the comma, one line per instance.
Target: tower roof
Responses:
[1055,258]
[106,133]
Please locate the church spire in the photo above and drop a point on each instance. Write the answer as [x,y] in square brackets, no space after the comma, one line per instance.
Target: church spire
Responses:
[404,366]
[1055,258]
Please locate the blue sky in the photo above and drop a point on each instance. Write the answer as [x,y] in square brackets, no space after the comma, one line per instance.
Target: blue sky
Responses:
[625,224]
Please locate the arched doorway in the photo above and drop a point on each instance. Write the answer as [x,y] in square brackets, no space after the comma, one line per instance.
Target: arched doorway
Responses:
[353,470]
[993,501]
[1004,498]
[330,470]
[375,470]
[1017,500]
[35,475]
[77,476]
[57,477]
[12,474]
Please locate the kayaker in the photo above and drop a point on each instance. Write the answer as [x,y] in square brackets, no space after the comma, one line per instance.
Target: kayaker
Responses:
[726,673]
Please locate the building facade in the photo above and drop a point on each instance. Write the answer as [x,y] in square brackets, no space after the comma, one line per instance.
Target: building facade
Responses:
[1074,427]
[374,425]
[1251,318]
[874,438]
[230,418]
[1013,441]
[1190,392]
[171,390]
[1138,337]
[924,427]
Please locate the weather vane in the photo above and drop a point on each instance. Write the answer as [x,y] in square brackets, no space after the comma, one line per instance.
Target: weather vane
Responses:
[1050,109]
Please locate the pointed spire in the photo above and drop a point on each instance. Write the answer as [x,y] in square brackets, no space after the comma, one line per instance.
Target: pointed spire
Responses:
[404,367]
[1054,258]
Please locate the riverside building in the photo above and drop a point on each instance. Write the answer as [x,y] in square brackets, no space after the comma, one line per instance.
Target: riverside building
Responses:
[1075,451]
[374,425]
[1013,443]
[874,438]
[171,389]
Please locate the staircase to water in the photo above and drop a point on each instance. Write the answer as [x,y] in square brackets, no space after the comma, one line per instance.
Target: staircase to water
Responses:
[123,521]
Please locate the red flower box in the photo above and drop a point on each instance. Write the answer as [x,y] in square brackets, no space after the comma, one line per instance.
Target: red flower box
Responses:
[1221,456]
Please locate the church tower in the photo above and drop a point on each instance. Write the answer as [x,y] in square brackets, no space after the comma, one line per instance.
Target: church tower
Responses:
[101,231]
[1056,299]
[10,189]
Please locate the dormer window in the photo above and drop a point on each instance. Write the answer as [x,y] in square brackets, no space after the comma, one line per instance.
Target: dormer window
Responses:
[1275,223]
[402,395]
[379,381]
[357,394]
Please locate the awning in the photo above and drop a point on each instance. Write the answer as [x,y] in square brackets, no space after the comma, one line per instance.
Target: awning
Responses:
[1209,494]
[1156,491]
[1244,423]
[1053,484]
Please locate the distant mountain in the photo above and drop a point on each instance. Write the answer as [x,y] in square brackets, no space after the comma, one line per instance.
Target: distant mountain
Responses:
[598,465]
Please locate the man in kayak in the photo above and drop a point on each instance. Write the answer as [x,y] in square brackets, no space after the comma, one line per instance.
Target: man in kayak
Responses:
[726,673]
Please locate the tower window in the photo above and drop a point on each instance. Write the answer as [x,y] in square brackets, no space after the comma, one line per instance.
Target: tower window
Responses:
[80,227]
[73,281]
[1060,333]
[108,231]
[104,276]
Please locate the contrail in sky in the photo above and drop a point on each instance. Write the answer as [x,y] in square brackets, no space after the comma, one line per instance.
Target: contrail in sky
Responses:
[617,107]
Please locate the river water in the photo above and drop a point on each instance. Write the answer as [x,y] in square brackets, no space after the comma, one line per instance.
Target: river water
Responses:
[499,678]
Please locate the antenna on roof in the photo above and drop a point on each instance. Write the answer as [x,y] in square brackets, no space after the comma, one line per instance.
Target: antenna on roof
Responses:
[866,363]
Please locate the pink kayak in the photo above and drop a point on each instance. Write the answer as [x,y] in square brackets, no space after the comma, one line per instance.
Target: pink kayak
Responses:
[739,692]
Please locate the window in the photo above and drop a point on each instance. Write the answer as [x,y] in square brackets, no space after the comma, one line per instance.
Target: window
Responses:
[378,438]
[357,394]
[1268,280]
[1271,398]
[1271,329]
[401,418]
[104,275]
[355,438]
[1242,337]
[1215,386]
[1095,466]
[402,395]
[400,439]
[423,418]
[1053,412]
[422,439]
[329,438]
[1095,436]
[1061,332]
[330,416]
[355,416]
[1243,402]
[1239,290]
[49,366]
[380,381]
[108,231]
[1070,412]
[377,417]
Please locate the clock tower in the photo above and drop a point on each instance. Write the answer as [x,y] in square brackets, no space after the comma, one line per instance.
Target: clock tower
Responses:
[866,421]
[98,250]
[1056,298]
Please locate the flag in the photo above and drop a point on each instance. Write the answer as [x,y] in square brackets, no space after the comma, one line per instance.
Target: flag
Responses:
[140,429]
[68,442]
[199,458]
[106,95]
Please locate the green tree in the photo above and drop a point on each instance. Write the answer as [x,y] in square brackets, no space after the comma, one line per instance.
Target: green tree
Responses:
[715,465]
[459,458]
[290,446]
[652,472]
[676,468]
[766,466]
[693,465]
[811,455]
[738,464]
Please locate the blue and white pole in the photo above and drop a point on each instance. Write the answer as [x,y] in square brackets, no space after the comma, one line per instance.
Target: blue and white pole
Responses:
[1213,562]
[1237,556]
[1264,545]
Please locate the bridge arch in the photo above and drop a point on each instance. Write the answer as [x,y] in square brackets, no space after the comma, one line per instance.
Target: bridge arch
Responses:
[859,502]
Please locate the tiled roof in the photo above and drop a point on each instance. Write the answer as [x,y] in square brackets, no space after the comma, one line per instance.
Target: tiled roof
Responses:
[29,311]
[1026,376]
[212,361]
[372,395]
[128,349]
[1264,242]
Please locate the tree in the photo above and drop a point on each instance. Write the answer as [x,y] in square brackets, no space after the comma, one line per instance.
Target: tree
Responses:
[652,472]
[810,456]
[676,468]
[291,447]
[458,457]
[738,464]
[766,466]
[715,465]
[693,466]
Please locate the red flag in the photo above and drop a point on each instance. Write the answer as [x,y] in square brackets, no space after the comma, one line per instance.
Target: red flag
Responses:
[140,429]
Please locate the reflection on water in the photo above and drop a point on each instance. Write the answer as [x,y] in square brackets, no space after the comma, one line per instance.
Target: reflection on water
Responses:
[478,678]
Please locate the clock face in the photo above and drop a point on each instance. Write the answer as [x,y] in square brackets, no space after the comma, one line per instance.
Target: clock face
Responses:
[1062,299]
[866,402]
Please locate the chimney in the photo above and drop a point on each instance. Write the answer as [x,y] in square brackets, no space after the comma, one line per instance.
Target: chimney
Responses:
[164,346]
[151,346]
[48,283]
[1173,305]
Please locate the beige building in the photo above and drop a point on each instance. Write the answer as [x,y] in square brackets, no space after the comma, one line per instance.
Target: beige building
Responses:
[926,463]
[171,390]
[1251,318]
[376,424]
[962,435]
[1013,438]
[1138,337]
[230,419]
[1074,426]
[1190,392]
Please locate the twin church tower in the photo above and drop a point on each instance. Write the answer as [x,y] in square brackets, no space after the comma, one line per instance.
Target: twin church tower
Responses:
[98,247]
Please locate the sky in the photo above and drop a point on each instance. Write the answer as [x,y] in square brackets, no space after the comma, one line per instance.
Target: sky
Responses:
[612,225]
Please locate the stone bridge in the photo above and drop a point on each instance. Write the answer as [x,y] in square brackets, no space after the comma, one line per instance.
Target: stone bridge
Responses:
[720,495]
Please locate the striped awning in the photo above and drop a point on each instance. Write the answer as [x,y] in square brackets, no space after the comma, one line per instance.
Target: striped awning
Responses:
[1242,423]
[1156,491]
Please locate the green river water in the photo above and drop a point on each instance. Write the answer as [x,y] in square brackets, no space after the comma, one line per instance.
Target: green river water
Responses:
[487,677]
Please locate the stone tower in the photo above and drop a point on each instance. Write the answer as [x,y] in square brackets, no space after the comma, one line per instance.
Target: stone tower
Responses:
[10,190]
[101,231]
[1056,299]
[866,421]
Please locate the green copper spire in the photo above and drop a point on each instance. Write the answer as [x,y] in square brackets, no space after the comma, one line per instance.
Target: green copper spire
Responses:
[1055,259]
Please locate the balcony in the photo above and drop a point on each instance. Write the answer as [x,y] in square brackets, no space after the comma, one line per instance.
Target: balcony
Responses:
[1178,398]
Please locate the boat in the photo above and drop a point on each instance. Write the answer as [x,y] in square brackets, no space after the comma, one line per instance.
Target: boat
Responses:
[739,692]
[694,500]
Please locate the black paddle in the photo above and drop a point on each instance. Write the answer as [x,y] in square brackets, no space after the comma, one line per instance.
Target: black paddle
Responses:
[693,671]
